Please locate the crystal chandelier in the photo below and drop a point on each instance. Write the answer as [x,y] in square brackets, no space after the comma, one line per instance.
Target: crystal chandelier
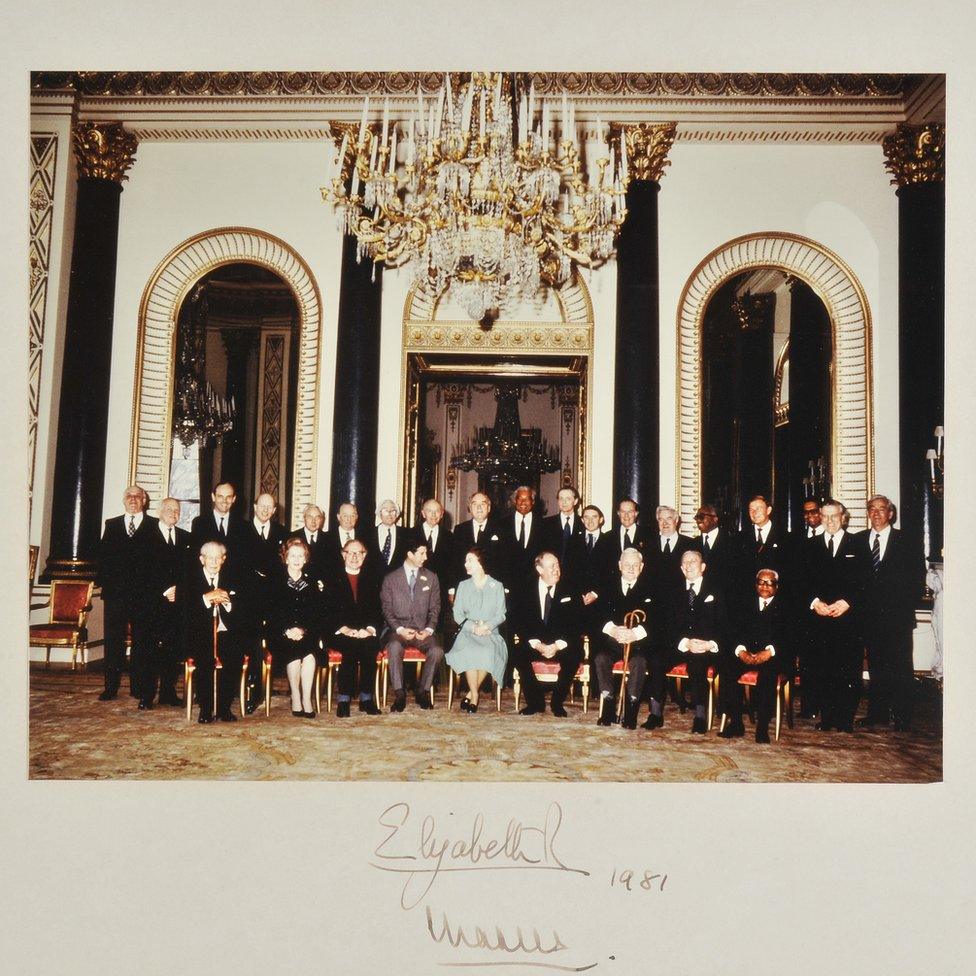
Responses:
[478,194]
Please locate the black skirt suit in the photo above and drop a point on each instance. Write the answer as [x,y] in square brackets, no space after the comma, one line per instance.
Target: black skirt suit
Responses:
[293,603]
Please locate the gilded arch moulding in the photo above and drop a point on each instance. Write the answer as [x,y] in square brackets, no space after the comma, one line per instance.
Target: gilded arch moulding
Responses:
[152,415]
[852,447]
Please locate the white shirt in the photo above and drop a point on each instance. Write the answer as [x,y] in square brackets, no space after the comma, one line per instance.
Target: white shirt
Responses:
[525,520]
[837,536]
[215,584]
[673,539]
[310,537]
[346,534]
[683,643]
[696,586]
[217,518]
[136,521]
[819,530]
[479,529]
[623,537]
[639,630]
[383,536]
[763,531]
[711,537]
[165,530]
[883,536]
[535,643]
[566,519]
[262,528]
[430,532]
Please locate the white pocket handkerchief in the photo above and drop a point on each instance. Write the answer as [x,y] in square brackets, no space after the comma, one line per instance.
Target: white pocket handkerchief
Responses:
[709,598]
[425,589]
[566,599]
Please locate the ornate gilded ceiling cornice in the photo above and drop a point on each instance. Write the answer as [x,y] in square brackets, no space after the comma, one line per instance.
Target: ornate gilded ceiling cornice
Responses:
[129,84]
[916,154]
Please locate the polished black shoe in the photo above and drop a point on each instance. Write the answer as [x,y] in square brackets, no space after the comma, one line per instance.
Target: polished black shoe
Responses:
[629,720]
[205,719]
[732,730]
[762,734]
[368,707]
[297,714]
[531,710]
[465,705]
[227,717]
[310,714]
[472,708]
[145,705]
[698,726]
[653,722]
[399,701]
[343,710]
[252,706]
[608,711]
[422,699]
[557,709]
[107,696]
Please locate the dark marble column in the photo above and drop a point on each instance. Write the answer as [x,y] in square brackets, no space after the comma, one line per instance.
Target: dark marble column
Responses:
[915,155]
[104,152]
[356,412]
[637,389]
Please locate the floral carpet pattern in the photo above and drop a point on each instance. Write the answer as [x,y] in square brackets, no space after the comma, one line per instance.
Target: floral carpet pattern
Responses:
[74,736]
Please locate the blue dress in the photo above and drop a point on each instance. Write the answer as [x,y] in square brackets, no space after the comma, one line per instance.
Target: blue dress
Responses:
[472,652]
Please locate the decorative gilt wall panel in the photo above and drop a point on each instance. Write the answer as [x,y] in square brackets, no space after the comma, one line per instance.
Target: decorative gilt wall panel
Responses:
[155,357]
[272,412]
[852,451]
[43,159]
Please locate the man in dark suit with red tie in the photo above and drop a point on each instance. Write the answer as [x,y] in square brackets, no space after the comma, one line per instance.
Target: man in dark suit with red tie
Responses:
[213,605]
[354,621]
[699,630]
[834,597]
[167,555]
[546,620]
[123,567]
[893,584]
[764,631]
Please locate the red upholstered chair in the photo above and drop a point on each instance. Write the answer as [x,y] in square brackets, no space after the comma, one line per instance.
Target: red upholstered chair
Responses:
[784,699]
[335,659]
[189,667]
[547,672]
[680,672]
[410,654]
[67,622]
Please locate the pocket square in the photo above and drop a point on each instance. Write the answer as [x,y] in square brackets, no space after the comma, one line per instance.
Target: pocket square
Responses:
[710,598]
[848,555]
[425,589]
[566,599]
[494,538]
[647,599]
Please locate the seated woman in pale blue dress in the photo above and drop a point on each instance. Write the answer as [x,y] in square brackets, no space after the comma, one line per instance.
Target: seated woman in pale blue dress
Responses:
[479,610]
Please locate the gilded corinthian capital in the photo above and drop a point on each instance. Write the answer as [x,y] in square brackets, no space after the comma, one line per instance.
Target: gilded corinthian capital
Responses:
[916,154]
[648,145]
[104,150]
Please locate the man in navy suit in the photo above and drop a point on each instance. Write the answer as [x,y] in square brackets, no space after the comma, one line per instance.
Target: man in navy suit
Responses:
[765,634]
[480,530]
[663,553]
[834,596]
[123,567]
[562,534]
[893,584]
[546,620]
[167,555]
[628,533]
[718,548]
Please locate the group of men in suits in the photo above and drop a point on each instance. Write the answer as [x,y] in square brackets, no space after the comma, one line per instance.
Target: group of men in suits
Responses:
[721,603]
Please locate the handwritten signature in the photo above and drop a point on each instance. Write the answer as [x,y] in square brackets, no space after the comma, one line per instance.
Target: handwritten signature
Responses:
[423,854]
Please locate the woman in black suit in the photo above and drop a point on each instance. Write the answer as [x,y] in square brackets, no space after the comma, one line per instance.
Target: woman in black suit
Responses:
[294,622]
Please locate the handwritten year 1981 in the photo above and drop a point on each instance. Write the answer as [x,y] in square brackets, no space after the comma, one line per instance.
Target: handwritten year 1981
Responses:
[630,880]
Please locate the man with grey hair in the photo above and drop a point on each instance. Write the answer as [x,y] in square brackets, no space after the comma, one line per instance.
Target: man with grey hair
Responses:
[123,569]
[344,530]
[313,518]
[387,542]
[663,554]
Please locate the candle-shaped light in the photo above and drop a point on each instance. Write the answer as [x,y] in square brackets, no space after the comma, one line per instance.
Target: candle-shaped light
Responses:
[342,153]
[481,116]
[393,149]
[931,457]
[522,119]
[565,117]
[624,174]
[420,105]
[545,125]
[531,105]
[468,100]
[939,434]
[411,145]
[362,125]
[372,154]
[448,99]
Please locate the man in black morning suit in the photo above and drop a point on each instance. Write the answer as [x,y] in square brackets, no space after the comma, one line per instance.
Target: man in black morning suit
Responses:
[718,548]
[663,552]
[834,596]
[894,569]
[439,541]
[593,568]
[521,536]
[313,518]
[699,627]
[220,524]
[484,531]
[562,534]
[628,533]
[628,590]
[353,623]
[261,561]
[546,620]
[763,544]
[212,593]
[123,567]
[763,635]
[346,528]
[167,554]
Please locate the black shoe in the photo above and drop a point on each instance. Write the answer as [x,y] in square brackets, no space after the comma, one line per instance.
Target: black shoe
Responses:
[227,716]
[532,710]
[733,730]
[172,700]
[423,699]
[145,705]
[252,706]
[310,714]
[107,695]
[698,726]
[653,722]
[472,708]
[557,709]
[465,705]
[399,701]
[762,734]
[630,714]
[297,714]
[343,710]
[368,707]
[205,719]
[824,726]
[608,711]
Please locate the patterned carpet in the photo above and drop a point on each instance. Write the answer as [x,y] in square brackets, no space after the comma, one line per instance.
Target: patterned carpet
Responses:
[74,736]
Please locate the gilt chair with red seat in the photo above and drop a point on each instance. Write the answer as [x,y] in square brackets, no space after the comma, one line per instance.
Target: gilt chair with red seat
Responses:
[547,672]
[680,673]
[189,667]
[784,699]
[450,690]
[334,660]
[410,655]
[70,605]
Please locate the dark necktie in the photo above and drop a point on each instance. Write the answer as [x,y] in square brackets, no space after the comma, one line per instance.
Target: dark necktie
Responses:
[589,542]
[223,533]
[762,605]
[387,545]
[811,533]
[430,539]
[667,548]
[311,540]
[876,552]
[264,531]
[548,605]
[132,525]
[566,531]
[759,540]
[628,542]
[705,546]
[830,547]
[522,533]
[172,541]
[691,596]
[412,582]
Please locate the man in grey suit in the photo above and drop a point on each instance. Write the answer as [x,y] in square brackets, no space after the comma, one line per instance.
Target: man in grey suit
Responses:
[411,601]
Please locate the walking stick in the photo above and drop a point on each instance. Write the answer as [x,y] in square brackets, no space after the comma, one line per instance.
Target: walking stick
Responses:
[631,620]
[217,665]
